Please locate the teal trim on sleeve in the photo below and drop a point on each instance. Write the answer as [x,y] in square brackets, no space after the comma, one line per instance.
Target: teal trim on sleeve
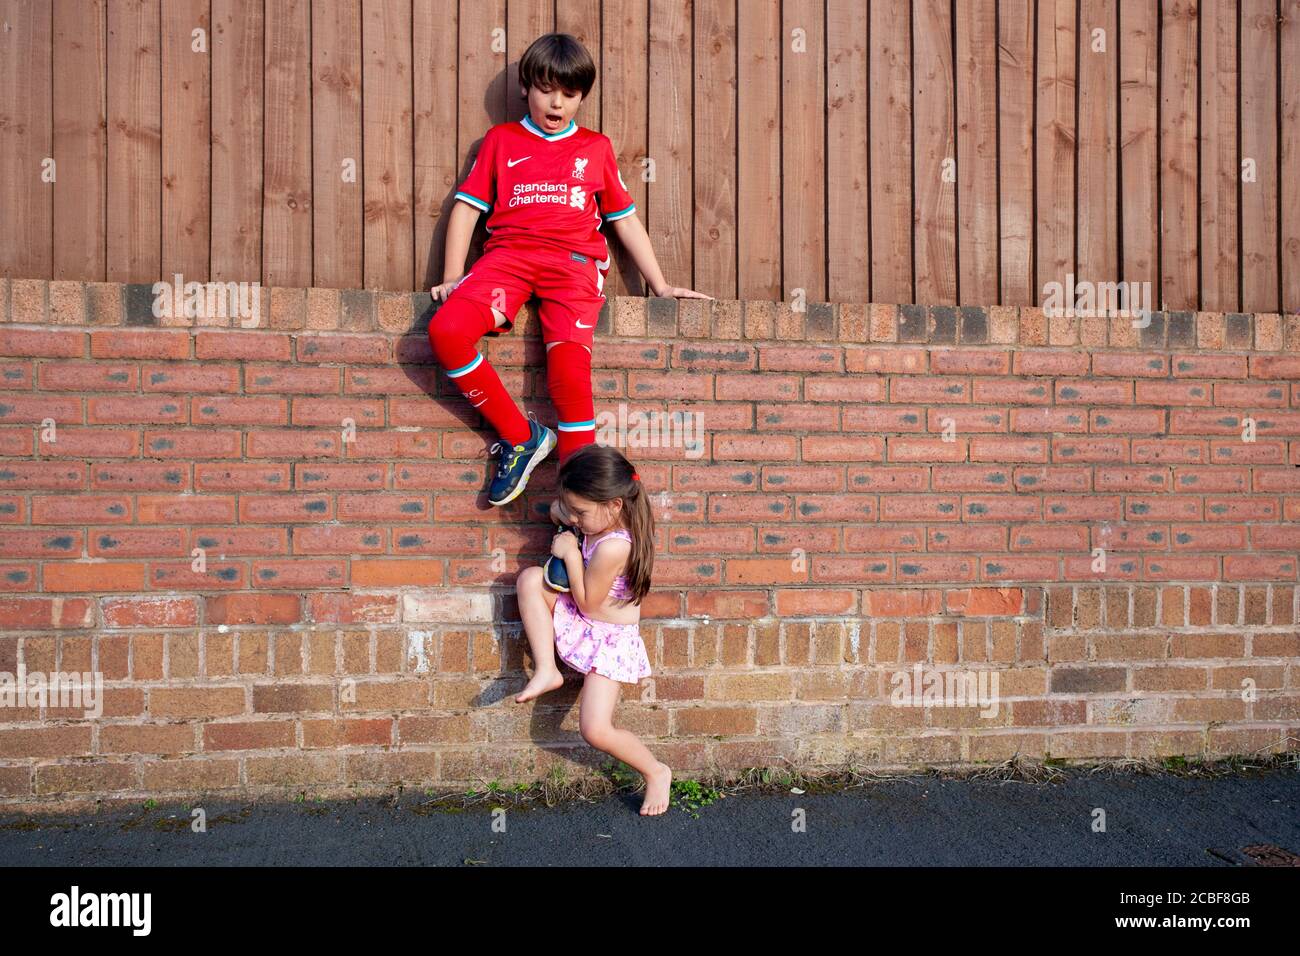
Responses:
[476,203]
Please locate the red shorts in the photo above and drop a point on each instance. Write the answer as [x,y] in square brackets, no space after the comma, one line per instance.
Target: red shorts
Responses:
[568,284]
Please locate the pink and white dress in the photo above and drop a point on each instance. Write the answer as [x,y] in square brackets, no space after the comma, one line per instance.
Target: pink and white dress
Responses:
[615,651]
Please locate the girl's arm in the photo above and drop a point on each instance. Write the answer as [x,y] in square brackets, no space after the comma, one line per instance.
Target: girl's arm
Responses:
[632,234]
[590,586]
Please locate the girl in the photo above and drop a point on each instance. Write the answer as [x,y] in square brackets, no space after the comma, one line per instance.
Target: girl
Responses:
[595,625]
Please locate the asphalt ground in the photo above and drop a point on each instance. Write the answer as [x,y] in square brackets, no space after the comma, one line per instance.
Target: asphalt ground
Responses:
[1098,819]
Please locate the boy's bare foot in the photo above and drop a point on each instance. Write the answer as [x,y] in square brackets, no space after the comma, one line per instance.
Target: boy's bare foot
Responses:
[542,682]
[657,784]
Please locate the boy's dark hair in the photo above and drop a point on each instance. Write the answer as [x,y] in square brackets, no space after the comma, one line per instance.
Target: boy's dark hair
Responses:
[600,473]
[557,59]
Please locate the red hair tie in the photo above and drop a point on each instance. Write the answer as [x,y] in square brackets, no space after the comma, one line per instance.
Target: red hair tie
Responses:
[635,476]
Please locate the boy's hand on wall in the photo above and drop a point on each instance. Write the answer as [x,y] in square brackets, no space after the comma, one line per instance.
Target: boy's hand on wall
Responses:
[673,292]
[440,292]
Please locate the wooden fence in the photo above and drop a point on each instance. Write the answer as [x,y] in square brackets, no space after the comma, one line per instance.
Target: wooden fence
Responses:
[937,151]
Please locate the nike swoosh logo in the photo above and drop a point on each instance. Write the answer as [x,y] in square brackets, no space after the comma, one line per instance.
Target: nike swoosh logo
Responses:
[581,326]
[513,162]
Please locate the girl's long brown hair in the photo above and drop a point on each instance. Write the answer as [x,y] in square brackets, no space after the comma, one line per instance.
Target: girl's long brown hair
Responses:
[601,473]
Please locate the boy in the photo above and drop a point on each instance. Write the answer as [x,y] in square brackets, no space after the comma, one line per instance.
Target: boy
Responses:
[547,184]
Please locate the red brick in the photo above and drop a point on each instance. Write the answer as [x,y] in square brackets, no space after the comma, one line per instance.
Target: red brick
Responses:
[178,702]
[358,732]
[20,613]
[150,611]
[45,742]
[85,778]
[189,775]
[294,770]
[147,739]
[139,344]
[42,343]
[249,608]
[292,698]
[249,735]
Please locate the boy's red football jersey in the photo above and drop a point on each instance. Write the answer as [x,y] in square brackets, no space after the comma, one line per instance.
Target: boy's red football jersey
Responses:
[553,188]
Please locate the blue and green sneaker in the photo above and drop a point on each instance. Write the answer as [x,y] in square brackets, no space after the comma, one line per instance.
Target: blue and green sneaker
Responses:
[518,461]
[554,571]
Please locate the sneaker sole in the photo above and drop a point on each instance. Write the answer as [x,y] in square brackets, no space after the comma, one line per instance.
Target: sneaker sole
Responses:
[549,441]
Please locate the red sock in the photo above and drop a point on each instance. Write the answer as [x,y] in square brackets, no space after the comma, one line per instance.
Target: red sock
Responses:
[568,378]
[454,331]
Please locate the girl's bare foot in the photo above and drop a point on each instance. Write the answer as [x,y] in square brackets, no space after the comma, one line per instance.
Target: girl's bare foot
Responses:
[657,784]
[542,682]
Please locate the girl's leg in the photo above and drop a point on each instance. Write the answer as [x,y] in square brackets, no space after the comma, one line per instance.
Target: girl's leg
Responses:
[595,720]
[536,605]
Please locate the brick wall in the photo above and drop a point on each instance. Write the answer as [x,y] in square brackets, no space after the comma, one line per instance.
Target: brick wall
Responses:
[875,489]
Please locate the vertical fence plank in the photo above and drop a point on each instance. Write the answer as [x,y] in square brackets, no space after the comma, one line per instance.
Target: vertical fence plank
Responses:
[134,142]
[80,139]
[481,93]
[936,154]
[803,149]
[1289,38]
[1217,150]
[1016,150]
[581,19]
[848,208]
[1179,200]
[977,151]
[624,68]
[1055,139]
[758,149]
[715,148]
[1138,147]
[1259,283]
[26,140]
[668,204]
[237,36]
[526,20]
[286,196]
[337,228]
[387,173]
[186,111]
[1098,125]
[434,26]
[890,71]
